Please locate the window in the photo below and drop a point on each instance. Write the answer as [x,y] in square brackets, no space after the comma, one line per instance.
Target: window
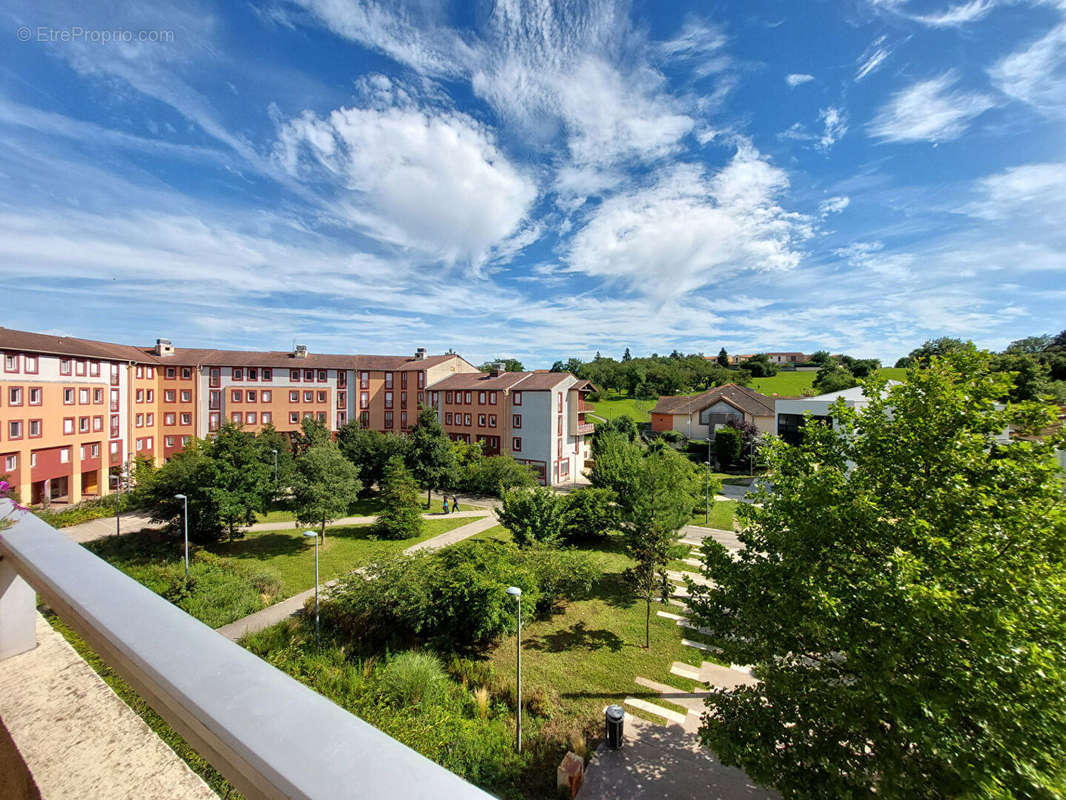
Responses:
[11,462]
[169,396]
[341,419]
[148,440]
[98,397]
[294,397]
[518,398]
[64,455]
[388,380]
[238,373]
[149,396]
[94,369]
[214,399]
[83,424]
[294,375]
[564,467]
[492,398]
[560,402]
[68,396]
[114,448]
[320,397]
[364,380]
[447,417]
[268,374]
[14,396]
[236,395]
[149,420]
[466,397]
[214,377]
[212,421]
[30,364]
[342,378]
[481,398]
[481,420]
[186,373]
[149,372]
[420,399]
[140,395]
[403,398]
[170,418]
[250,417]
[322,417]
[35,395]
[68,425]
[171,373]
[448,398]
[139,421]
[253,374]
[322,374]
[252,395]
[186,395]
[342,399]
[114,399]
[266,395]
[237,417]
[309,397]
[83,397]
[98,423]
[35,428]
[467,420]
[516,421]
[168,441]
[79,367]
[14,429]
[114,426]
[309,415]
[64,366]
[403,419]
[185,441]
[516,444]
[492,420]
[309,375]
[140,371]
[364,419]
[388,399]
[267,417]
[560,426]
[421,380]
[403,380]
[186,418]
[294,417]
[364,399]
[388,419]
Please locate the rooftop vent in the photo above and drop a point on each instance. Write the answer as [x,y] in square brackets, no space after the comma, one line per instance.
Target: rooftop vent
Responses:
[163,347]
[300,351]
[420,353]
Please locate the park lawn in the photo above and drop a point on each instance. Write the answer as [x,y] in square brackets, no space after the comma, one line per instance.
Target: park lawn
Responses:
[794,384]
[723,514]
[363,507]
[614,406]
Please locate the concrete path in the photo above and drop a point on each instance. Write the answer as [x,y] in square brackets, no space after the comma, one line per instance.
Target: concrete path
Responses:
[695,534]
[76,738]
[293,605]
[105,526]
[664,762]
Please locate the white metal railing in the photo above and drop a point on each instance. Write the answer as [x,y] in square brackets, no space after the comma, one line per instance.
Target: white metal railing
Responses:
[268,734]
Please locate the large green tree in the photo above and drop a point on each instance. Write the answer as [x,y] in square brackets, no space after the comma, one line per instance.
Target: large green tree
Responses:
[268,440]
[191,473]
[324,485]
[370,451]
[429,454]
[902,595]
[240,482]
[533,516]
[401,517]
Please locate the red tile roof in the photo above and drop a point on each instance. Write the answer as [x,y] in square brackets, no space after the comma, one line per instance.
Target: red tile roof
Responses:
[743,398]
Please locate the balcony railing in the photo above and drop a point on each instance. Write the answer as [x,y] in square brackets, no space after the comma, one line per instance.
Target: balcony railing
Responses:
[268,734]
[585,428]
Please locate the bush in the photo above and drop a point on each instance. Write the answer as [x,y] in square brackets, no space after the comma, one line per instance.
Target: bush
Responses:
[412,678]
[471,672]
[532,515]
[727,445]
[401,517]
[97,508]
[487,476]
[589,513]
[560,574]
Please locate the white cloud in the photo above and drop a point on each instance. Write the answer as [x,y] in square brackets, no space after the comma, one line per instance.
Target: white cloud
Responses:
[956,15]
[835,125]
[870,257]
[872,58]
[795,79]
[929,111]
[1036,74]
[435,183]
[689,229]
[833,205]
[1033,192]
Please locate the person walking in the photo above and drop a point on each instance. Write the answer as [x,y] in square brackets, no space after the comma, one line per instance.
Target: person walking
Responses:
[445,504]
[455,503]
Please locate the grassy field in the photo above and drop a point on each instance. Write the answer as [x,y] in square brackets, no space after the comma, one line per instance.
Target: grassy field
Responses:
[722,515]
[363,507]
[615,406]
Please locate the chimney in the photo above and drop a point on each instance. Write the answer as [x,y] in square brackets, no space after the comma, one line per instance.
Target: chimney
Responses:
[497,369]
[163,347]
[420,353]
[300,351]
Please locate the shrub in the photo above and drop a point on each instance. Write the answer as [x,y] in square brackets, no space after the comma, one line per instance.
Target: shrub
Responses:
[86,510]
[532,515]
[560,574]
[412,678]
[471,672]
[589,513]
[402,515]
[727,445]
[488,476]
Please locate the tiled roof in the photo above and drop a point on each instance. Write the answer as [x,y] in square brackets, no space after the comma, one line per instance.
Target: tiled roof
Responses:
[521,381]
[68,346]
[743,398]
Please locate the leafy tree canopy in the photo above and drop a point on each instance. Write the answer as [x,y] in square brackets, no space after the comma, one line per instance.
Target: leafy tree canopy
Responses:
[324,485]
[533,516]
[509,365]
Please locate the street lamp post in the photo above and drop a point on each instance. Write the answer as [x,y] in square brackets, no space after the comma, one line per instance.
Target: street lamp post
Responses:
[185,502]
[707,514]
[516,593]
[275,452]
[314,534]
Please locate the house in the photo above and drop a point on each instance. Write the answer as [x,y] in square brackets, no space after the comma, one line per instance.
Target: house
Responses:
[779,359]
[696,416]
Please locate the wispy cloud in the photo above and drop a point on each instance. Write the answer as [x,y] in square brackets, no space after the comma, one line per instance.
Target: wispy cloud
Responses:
[1034,191]
[795,79]
[953,16]
[834,125]
[929,111]
[833,205]
[1036,74]
[872,58]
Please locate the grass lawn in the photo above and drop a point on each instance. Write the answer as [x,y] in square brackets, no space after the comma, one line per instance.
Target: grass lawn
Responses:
[794,384]
[363,507]
[722,515]
[615,406]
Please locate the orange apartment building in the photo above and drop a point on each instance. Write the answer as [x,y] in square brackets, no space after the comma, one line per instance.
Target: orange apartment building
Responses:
[73,410]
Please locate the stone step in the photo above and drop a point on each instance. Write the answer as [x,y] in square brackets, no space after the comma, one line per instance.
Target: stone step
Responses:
[683,670]
[699,646]
[693,562]
[668,615]
[695,577]
[691,701]
[652,708]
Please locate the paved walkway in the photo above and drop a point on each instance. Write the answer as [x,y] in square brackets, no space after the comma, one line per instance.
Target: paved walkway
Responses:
[76,737]
[366,520]
[105,526]
[293,605]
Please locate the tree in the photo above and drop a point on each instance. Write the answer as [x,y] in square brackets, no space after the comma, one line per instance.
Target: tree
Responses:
[429,453]
[864,367]
[324,485]
[615,457]
[267,441]
[728,444]
[936,347]
[904,361]
[370,451]
[1029,376]
[723,358]
[760,367]
[401,517]
[833,377]
[239,480]
[589,513]
[312,434]
[626,355]
[189,472]
[1030,345]
[820,357]
[900,593]
[509,365]
[533,516]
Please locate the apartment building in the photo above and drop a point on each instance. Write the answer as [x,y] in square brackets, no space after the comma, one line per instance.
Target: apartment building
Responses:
[537,417]
[72,410]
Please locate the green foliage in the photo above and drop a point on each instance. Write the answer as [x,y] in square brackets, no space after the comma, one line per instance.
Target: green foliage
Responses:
[190,472]
[760,366]
[532,515]
[370,451]
[239,481]
[96,508]
[936,348]
[411,678]
[833,377]
[589,513]
[324,484]
[901,593]
[723,358]
[728,446]
[820,357]
[509,365]
[401,517]
[312,434]
[429,454]
[491,475]
[269,439]
[560,575]
[655,375]
[616,458]
[1030,376]
[904,362]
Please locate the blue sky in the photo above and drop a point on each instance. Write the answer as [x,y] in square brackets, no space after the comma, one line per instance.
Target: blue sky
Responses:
[535,179]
